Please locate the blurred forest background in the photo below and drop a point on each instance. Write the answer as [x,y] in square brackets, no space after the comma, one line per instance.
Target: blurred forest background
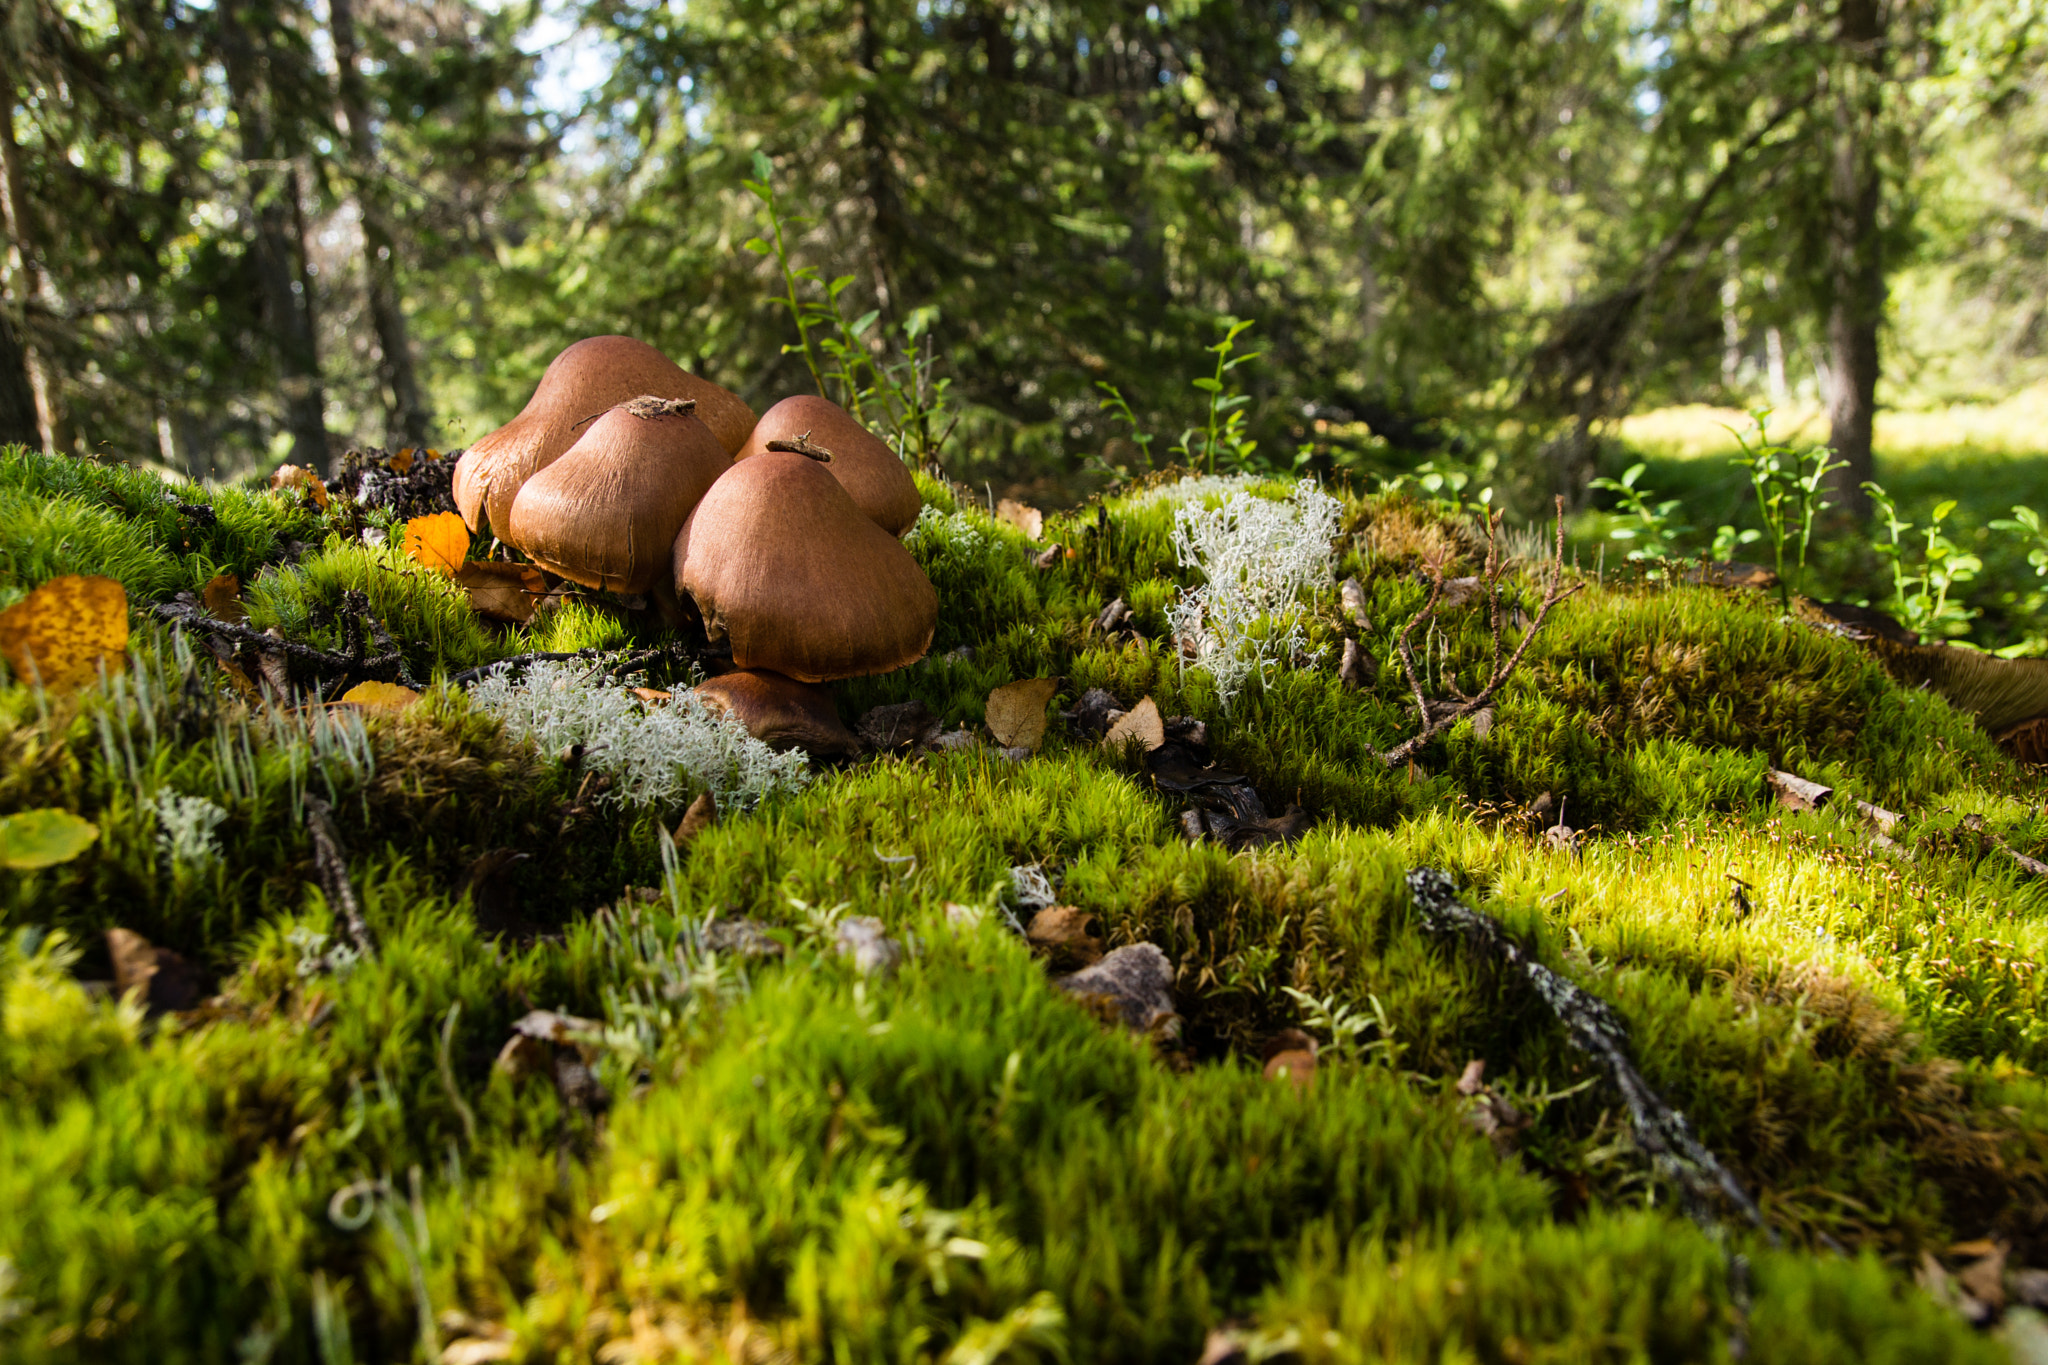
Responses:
[1475,234]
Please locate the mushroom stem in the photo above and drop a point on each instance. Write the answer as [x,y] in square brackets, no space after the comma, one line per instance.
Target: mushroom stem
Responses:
[803,445]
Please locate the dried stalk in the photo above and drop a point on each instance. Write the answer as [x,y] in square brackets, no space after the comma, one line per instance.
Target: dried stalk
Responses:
[1439,718]
[330,861]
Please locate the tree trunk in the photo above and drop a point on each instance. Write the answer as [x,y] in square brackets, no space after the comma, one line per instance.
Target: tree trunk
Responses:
[278,248]
[406,411]
[23,365]
[1856,291]
[18,424]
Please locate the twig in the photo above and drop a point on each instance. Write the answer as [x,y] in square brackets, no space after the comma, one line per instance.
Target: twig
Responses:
[1595,1030]
[188,617]
[330,861]
[1434,719]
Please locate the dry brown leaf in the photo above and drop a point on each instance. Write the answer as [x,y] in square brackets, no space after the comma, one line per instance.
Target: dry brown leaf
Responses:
[1024,517]
[702,815]
[1140,723]
[380,696]
[402,461]
[63,630]
[1016,712]
[650,695]
[440,541]
[503,592]
[292,476]
[1291,1056]
[1072,938]
[223,597]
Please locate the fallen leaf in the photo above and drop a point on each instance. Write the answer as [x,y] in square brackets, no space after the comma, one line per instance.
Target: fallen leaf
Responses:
[1797,793]
[1048,558]
[43,838]
[440,541]
[1357,669]
[167,981]
[223,597]
[1141,724]
[1291,1056]
[380,696]
[1071,938]
[702,815]
[1025,518]
[650,695]
[1984,1278]
[61,632]
[401,462]
[1016,712]
[292,476]
[502,592]
[904,725]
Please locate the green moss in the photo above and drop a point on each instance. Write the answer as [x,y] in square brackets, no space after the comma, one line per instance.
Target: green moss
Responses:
[959,1155]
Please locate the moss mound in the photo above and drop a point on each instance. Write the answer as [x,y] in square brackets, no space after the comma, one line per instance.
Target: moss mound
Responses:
[776,1156]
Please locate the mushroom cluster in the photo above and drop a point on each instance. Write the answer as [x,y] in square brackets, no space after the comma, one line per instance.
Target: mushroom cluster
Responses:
[626,472]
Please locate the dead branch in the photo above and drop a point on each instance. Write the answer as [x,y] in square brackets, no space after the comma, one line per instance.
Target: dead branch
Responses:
[384,667]
[1596,1031]
[1437,718]
[330,861]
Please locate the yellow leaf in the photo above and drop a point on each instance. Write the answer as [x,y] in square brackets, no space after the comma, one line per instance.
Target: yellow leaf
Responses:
[439,541]
[381,696]
[503,592]
[1016,712]
[223,597]
[1141,723]
[62,631]
[44,838]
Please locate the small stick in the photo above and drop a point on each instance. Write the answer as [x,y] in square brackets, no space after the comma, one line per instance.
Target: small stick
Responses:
[331,862]
[803,445]
[187,617]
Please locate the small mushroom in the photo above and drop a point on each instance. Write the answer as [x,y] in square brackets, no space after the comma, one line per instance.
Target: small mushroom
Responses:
[606,514]
[581,383]
[871,472]
[780,712]
[783,564]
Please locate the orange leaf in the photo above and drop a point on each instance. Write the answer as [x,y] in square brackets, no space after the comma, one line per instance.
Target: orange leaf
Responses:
[292,476]
[439,541]
[503,592]
[382,696]
[62,631]
[223,597]
[402,461]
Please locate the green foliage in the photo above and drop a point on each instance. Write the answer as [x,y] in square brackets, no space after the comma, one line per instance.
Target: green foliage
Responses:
[1788,487]
[1921,600]
[1657,528]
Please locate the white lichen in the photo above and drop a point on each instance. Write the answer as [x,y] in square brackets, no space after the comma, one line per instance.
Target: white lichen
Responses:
[654,753]
[1258,558]
[185,826]
[1197,488]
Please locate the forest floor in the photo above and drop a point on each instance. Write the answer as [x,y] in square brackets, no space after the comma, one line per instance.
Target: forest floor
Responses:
[561,1086]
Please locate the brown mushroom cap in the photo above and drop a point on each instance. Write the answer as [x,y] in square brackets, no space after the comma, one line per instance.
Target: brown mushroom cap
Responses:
[880,484]
[780,712]
[606,514]
[781,561]
[586,379]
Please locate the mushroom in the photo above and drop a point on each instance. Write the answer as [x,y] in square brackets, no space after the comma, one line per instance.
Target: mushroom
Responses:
[781,562]
[780,712]
[606,514]
[880,484]
[582,382]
